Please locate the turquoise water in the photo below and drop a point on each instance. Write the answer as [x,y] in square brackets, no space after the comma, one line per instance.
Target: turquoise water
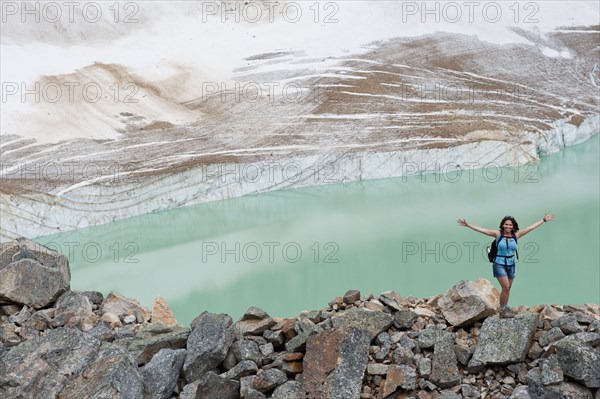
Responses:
[297,249]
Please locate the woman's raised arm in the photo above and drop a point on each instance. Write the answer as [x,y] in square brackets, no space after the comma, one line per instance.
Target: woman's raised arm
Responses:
[547,217]
[487,232]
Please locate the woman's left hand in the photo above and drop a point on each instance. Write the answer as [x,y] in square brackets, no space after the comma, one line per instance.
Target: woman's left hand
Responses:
[548,217]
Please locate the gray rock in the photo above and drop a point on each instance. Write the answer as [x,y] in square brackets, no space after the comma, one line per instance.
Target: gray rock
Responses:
[428,338]
[568,324]
[377,369]
[161,373]
[277,338]
[212,386]
[401,376]
[469,301]
[40,368]
[579,361]
[403,356]
[535,351]
[242,369]
[267,380]
[207,345]
[444,365]
[424,366]
[266,349]
[335,363]
[393,300]
[95,297]
[31,274]
[351,296]
[590,338]
[74,302]
[371,321]
[551,336]
[550,371]
[504,341]
[446,394]
[520,392]
[148,342]
[289,390]
[463,353]
[247,350]
[469,392]
[404,319]
[385,343]
[564,390]
[113,374]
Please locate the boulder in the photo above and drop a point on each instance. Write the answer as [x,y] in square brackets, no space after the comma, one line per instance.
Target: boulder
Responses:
[504,341]
[150,341]
[122,306]
[579,360]
[469,301]
[444,365]
[160,375]
[162,313]
[113,374]
[254,322]
[40,368]
[31,274]
[335,363]
[401,376]
[563,390]
[371,321]
[207,345]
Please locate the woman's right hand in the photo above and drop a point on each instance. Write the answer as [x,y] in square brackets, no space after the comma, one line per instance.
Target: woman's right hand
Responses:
[462,222]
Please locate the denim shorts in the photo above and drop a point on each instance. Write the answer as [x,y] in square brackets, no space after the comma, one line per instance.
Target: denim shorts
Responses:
[504,271]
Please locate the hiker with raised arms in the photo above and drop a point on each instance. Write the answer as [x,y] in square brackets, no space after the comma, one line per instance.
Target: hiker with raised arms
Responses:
[504,261]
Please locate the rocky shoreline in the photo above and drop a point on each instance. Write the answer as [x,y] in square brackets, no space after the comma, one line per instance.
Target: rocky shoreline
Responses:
[60,343]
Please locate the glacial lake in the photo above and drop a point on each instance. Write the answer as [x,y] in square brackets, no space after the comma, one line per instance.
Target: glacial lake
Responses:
[295,250]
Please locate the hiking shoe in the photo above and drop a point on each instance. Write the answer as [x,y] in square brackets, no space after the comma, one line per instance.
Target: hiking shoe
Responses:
[507,312]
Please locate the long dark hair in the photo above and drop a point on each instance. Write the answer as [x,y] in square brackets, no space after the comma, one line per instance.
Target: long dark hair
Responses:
[514,222]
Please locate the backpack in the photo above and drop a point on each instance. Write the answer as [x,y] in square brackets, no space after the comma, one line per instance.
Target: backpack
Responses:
[493,249]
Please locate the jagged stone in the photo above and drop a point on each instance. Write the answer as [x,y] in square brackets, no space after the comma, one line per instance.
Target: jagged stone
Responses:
[568,324]
[463,353]
[385,343]
[537,390]
[393,300]
[289,390]
[468,302]
[162,314]
[504,341]
[551,336]
[428,338]
[520,392]
[208,343]
[122,306]
[550,371]
[267,380]
[424,365]
[372,322]
[148,342]
[31,274]
[277,338]
[112,374]
[377,369]
[247,350]
[212,386]
[444,365]
[254,322]
[351,296]
[75,302]
[579,361]
[242,369]
[401,376]
[40,368]
[160,374]
[404,319]
[335,363]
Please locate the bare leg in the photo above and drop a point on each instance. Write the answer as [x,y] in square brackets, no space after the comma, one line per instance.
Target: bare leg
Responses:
[505,283]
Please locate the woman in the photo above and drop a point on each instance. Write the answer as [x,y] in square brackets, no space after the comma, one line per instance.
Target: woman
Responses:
[504,263]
